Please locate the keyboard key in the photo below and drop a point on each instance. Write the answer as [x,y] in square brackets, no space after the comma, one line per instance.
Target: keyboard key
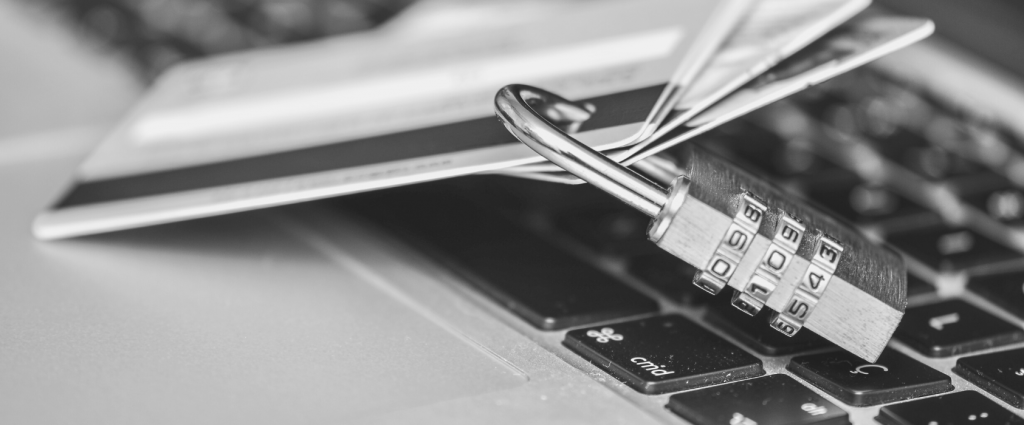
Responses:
[771,155]
[613,228]
[663,354]
[670,276]
[756,333]
[1004,290]
[931,162]
[916,286]
[962,408]
[951,248]
[543,284]
[954,327]
[1003,202]
[856,382]
[772,400]
[1001,374]
[847,195]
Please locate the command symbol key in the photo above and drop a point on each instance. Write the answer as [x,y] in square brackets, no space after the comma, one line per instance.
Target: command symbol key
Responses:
[663,354]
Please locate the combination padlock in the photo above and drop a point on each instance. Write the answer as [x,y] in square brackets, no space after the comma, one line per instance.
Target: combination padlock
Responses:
[740,232]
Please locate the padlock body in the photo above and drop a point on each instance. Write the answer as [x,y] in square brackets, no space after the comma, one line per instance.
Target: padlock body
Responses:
[777,252]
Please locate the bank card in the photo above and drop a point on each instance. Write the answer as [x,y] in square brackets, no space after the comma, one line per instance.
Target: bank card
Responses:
[774,30]
[848,47]
[380,109]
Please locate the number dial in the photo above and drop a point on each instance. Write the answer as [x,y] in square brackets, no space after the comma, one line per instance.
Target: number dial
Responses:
[851,291]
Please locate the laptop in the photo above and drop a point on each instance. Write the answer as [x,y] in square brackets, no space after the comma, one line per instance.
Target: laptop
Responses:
[487,299]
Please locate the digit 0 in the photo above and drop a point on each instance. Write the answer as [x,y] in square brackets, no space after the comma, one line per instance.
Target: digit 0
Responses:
[776,259]
[721,268]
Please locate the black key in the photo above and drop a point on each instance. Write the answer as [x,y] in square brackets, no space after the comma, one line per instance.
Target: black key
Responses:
[523,196]
[962,408]
[541,283]
[898,143]
[1003,202]
[772,400]
[856,382]
[909,148]
[847,195]
[610,228]
[1004,290]
[756,333]
[917,286]
[951,248]
[954,327]
[1001,374]
[670,276]
[771,155]
[928,161]
[663,354]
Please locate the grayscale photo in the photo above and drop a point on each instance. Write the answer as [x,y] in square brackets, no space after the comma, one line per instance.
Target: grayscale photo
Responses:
[692,212]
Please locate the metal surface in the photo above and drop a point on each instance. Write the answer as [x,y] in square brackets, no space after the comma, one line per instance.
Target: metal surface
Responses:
[512,105]
[865,297]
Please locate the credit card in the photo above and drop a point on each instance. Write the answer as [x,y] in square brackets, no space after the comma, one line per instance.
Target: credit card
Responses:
[774,30]
[852,45]
[380,109]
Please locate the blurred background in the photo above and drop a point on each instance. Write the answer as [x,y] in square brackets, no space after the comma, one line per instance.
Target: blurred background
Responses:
[49,81]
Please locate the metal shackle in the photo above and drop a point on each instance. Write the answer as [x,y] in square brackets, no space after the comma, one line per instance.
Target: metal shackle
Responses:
[513,108]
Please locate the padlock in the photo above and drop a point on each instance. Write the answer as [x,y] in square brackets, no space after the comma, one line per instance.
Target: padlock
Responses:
[739,231]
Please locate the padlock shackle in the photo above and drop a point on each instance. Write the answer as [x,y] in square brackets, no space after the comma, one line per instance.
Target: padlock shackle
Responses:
[524,122]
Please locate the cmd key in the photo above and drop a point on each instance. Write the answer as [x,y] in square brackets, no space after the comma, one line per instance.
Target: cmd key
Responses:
[954,327]
[962,408]
[663,354]
[772,400]
[1001,374]
[893,377]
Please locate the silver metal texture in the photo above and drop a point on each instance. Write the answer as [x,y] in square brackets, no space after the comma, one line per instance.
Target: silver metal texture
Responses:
[513,106]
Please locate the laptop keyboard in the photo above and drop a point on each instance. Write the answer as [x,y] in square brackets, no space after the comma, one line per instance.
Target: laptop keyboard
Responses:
[939,185]
[155,34]
[572,260]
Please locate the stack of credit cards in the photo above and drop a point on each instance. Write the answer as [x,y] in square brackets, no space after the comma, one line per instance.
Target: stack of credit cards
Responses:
[411,101]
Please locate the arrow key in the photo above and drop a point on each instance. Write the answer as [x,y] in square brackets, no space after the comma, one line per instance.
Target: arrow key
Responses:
[776,399]
[856,382]
[962,408]
[954,327]
[1001,374]
[1004,290]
